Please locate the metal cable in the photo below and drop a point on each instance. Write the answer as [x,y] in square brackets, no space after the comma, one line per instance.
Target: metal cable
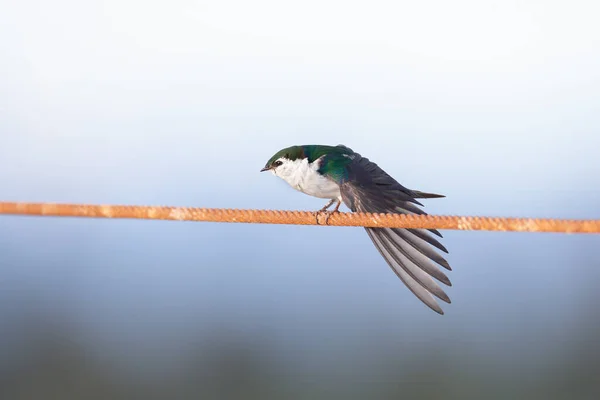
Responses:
[301,217]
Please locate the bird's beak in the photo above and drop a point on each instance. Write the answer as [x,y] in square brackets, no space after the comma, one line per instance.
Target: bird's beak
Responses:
[265,169]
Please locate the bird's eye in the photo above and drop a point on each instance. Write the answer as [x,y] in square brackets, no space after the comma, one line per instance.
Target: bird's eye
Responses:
[277,163]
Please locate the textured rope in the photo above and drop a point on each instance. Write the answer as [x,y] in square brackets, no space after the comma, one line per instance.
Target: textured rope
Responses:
[301,217]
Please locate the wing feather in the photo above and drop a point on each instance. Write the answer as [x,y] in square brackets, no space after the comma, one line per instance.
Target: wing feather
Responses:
[409,252]
[417,289]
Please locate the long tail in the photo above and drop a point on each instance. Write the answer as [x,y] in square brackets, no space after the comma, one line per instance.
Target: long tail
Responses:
[424,195]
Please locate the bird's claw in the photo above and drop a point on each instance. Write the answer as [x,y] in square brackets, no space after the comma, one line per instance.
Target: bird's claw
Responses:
[327,214]
[316,214]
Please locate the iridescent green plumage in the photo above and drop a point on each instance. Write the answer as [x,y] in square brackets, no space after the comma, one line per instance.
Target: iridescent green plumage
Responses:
[291,153]
[333,162]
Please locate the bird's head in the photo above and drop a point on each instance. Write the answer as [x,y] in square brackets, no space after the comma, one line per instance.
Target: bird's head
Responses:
[285,161]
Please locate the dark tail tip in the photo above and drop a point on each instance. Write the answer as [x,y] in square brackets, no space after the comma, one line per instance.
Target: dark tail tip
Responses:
[424,195]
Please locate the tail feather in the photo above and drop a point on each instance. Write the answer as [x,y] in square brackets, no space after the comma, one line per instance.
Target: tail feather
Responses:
[424,195]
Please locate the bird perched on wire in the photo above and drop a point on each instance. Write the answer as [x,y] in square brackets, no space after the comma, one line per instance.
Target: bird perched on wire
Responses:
[341,175]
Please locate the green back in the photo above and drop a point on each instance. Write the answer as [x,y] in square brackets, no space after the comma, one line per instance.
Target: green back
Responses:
[333,164]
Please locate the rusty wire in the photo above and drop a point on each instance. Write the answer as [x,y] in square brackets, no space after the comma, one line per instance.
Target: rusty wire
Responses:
[301,217]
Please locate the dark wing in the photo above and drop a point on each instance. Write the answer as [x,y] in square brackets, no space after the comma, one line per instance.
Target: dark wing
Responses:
[410,252]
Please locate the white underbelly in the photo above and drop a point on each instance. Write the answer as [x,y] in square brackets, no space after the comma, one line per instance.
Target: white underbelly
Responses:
[304,177]
[318,186]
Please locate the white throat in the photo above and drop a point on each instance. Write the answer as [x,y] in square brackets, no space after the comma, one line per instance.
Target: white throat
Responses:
[303,176]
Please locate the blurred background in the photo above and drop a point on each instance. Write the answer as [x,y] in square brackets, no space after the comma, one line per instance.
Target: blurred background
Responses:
[495,104]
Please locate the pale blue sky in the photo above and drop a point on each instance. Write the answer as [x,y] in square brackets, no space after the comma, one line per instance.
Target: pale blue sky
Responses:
[495,104]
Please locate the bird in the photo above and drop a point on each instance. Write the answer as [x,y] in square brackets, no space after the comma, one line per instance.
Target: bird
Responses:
[339,174]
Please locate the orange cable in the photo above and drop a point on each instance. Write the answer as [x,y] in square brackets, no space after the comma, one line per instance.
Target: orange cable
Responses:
[301,217]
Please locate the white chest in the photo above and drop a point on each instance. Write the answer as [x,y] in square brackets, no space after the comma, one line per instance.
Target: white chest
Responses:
[304,177]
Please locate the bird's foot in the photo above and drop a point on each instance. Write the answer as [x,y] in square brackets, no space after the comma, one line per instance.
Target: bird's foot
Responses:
[317,214]
[327,213]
